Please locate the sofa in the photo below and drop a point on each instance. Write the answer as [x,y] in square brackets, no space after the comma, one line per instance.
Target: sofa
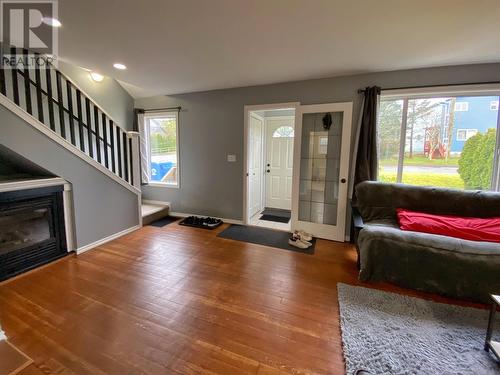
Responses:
[433,263]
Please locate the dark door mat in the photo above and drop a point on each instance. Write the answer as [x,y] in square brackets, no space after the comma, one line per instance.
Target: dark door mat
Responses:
[263,236]
[201,222]
[164,221]
[278,219]
[277,212]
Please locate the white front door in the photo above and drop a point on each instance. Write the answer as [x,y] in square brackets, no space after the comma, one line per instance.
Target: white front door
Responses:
[322,146]
[255,164]
[279,162]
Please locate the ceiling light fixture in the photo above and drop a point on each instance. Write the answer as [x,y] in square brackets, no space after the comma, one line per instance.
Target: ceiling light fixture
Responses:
[96,77]
[54,22]
[119,66]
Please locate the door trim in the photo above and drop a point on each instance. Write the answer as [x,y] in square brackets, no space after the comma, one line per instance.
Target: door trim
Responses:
[246,137]
[336,233]
[262,140]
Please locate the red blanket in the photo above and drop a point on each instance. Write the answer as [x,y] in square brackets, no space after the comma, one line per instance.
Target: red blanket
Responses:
[467,228]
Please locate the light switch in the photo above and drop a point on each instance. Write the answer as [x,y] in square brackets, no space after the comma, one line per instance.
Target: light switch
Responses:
[231,158]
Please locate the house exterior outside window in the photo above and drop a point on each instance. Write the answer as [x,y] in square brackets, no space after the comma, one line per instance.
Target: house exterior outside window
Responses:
[161,133]
[421,139]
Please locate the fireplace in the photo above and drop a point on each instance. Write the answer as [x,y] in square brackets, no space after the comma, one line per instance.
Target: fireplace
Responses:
[32,229]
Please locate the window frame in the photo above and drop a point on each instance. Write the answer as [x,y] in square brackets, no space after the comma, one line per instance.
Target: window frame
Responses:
[459,137]
[159,115]
[287,136]
[461,107]
[444,91]
[467,137]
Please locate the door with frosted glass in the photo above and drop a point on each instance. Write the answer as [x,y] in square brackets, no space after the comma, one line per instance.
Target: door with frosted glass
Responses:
[321,164]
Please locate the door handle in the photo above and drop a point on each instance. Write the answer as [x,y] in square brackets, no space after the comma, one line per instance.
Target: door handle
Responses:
[343,180]
[268,171]
[268,164]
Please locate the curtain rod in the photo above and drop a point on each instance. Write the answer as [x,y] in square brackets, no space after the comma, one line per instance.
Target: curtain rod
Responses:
[361,91]
[158,109]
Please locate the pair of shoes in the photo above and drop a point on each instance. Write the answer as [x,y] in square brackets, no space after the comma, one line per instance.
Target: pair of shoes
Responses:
[297,241]
[211,222]
[303,235]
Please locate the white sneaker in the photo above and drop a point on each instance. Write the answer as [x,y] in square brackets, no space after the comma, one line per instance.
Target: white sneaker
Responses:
[303,235]
[298,242]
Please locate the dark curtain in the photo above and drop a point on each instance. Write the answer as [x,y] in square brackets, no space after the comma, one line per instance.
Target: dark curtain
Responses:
[366,157]
[138,126]
[135,124]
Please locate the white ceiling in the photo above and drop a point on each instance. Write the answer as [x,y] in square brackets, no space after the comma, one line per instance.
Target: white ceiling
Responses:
[194,45]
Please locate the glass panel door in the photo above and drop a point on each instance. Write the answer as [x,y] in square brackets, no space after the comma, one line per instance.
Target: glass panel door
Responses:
[320,182]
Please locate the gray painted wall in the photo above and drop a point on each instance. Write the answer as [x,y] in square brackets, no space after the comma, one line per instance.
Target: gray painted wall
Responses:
[102,206]
[108,94]
[211,126]
[11,163]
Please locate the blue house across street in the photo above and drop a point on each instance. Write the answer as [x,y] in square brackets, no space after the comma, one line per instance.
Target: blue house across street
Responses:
[473,114]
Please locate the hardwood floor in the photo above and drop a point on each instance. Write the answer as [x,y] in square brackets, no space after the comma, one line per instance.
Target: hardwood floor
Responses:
[179,300]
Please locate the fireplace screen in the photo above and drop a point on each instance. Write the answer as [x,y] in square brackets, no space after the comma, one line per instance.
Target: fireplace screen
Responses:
[32,229]
[22,229]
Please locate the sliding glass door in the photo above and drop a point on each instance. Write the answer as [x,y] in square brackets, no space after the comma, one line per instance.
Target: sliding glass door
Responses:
[321,163]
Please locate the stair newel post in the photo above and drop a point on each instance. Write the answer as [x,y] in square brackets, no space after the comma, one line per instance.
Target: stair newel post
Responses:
[135,167]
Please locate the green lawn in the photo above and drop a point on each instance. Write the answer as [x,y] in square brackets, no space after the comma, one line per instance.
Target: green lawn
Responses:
[432,179]
[422,160]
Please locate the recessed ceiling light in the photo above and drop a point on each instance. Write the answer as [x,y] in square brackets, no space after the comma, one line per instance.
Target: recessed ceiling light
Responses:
[119,66]
[96,76]
[54,22]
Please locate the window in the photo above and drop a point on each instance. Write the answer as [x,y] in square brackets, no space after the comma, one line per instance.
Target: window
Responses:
[284,132]
[161,130]
[465,134]
[494,105]
[436,141]
[461,106]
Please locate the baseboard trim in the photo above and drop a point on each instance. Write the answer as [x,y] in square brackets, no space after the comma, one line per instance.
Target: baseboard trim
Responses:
[229,221]
[102,241]
[184,214]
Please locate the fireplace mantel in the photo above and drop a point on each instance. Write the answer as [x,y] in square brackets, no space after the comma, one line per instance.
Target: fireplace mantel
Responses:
[31,183]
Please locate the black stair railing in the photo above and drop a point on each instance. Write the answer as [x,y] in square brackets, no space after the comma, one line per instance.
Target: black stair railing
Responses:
[54,100]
